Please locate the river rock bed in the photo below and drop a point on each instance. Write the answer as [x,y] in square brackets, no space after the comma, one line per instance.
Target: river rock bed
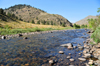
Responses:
[42,49]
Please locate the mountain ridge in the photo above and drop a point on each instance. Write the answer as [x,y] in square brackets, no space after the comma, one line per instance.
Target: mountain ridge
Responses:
[28,13]
[85,20]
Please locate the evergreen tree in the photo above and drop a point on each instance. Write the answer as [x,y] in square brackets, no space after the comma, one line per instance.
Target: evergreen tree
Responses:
[1,11]
[51,22]
[33,22]
[38,22]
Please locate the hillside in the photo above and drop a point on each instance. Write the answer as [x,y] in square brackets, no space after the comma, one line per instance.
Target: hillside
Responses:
[84,21]
[28,13]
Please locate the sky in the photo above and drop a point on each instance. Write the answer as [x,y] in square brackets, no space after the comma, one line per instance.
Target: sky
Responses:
[73,10]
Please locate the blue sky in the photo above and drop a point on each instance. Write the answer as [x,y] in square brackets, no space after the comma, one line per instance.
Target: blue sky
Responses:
[73,10]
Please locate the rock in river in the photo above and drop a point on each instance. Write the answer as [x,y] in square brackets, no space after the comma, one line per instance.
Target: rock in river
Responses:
[80,48]
[71,59]
[51,61]
[68,57]
[67,45]
[3,37]
[87,55]
[61,52]
[82,59]
[90,62]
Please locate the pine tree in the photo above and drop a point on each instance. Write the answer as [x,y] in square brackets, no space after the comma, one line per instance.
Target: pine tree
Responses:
[33,22]
[38,22]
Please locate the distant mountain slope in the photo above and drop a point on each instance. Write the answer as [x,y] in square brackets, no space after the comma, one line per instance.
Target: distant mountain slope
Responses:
[84,21]
[28,13]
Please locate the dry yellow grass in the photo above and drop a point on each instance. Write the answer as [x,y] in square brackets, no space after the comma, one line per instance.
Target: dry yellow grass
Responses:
[24,25]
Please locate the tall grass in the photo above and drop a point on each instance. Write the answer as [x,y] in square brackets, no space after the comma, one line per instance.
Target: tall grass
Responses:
[9,31]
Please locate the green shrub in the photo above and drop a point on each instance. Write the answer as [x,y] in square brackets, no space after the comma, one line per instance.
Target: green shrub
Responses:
[38,22]
[33,22]
[83,26]
[96,35]
[63,25]
[76,26]
[93,23]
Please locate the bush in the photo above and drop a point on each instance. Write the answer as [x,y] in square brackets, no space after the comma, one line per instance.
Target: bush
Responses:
[96,35]
[33,22]
[76,26]
[63,25]
[93,23]
[38,22]
[83,26]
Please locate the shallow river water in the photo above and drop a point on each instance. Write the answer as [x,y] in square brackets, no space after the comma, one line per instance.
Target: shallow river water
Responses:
[38,49]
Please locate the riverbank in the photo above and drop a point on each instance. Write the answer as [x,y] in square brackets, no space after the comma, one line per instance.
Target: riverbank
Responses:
[36,31]
[92,49]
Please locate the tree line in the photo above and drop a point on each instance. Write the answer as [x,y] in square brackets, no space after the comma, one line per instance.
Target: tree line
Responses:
[47,23]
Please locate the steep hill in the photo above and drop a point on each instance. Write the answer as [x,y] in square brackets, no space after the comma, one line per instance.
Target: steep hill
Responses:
[85,20]
[28,13]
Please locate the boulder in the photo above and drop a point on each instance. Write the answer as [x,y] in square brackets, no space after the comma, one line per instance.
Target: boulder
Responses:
[51,61]
[61,52]
[74,46]
[67,45]
[80,48]
[87,55]
[3,37]
[90,62]
[82,59]
[68,57]
[69,53]
[71,59]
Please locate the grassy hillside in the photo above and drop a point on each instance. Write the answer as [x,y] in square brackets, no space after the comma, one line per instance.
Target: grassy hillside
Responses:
[15,27]
[11,23]
[28,13]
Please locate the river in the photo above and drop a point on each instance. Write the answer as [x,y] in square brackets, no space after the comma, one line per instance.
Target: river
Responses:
[38,49]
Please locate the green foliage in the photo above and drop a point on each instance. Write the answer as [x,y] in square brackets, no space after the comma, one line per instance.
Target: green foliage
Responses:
[76,26]
[9,14]
[63,25]
[1,11]
[17,31]
[51,22]
[96,35]
[93,23]
[98,10]
[33,22]
[83,26]
[38,22]
[43,22]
